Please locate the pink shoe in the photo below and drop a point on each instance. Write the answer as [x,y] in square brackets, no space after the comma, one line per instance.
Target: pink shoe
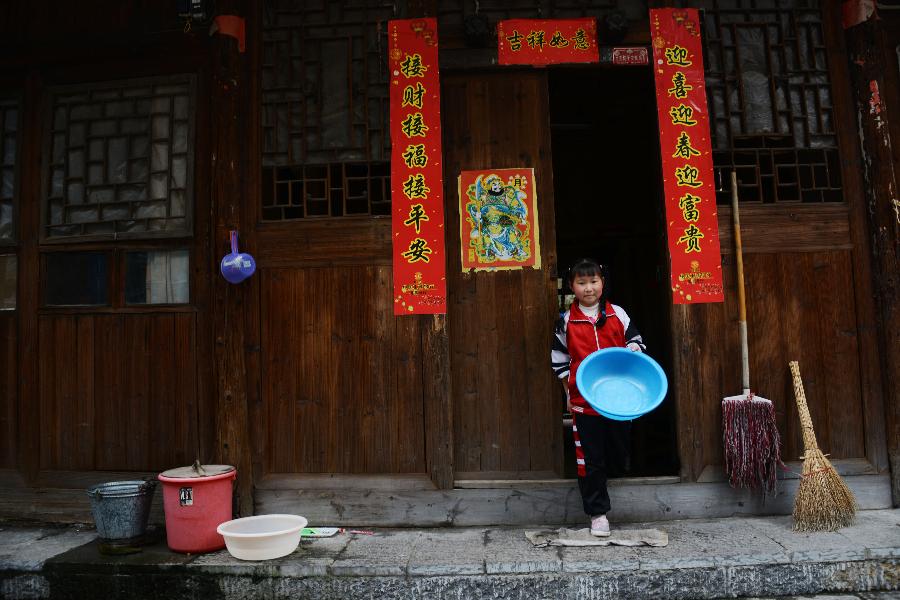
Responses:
[600,526]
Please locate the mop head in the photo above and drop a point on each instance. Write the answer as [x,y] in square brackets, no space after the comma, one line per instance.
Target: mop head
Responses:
[752,443]
[823,502]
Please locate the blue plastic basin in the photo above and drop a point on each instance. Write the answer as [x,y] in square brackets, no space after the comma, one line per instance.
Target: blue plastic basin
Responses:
[621,384]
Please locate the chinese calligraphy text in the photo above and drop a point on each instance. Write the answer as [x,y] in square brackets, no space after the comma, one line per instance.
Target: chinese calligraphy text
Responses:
[689,187]
[547,41]
[417,213]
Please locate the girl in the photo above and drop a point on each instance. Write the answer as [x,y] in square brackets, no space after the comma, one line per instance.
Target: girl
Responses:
[590,324]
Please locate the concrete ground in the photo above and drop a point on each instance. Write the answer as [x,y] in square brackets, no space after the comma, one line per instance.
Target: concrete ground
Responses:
[739,557]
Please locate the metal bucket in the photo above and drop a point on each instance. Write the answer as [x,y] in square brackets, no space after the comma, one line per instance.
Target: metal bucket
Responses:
[121,508]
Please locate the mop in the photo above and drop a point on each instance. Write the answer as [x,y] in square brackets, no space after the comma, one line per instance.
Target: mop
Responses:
[823,502]
[752,444]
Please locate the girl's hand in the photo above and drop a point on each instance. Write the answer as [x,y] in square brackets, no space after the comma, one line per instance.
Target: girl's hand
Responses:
[633,347]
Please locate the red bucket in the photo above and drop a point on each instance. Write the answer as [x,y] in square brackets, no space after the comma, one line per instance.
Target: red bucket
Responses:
[196,502]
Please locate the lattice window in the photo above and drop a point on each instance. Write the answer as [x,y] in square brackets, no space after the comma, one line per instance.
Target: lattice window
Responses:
[323,190]
[8,272]
[325,119]
[454,12]
[121,160]
[769,96]
[9,148]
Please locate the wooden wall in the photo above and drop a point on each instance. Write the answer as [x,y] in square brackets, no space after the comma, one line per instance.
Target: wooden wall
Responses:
[507,412]
[53,25]
[802,304]
[333,382]
[890,23]
[341,377]
[800,307]
[118,392]
[810,298]
[8,382]
[97,390]
[873,68]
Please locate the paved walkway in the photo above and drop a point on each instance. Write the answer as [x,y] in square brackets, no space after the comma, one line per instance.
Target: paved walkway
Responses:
[710,559]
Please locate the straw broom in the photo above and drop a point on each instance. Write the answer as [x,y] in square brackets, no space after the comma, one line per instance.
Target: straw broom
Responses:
[823,502]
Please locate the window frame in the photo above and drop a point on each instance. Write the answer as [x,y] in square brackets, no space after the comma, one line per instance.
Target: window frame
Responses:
[116,277]
[766,178]
[122,264]
[47,120]
[11,244]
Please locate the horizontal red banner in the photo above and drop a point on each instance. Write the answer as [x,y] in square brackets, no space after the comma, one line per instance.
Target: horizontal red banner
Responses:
[547,41]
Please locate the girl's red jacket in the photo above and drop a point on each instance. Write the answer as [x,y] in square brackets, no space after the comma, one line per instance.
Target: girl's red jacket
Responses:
[576,337]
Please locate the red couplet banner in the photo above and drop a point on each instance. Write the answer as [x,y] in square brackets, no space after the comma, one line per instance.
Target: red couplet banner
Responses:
[417,189]
[693,229]
[547,41]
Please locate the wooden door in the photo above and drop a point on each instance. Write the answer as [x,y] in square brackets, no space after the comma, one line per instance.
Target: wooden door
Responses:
[112,309]
[808,277]
[341,377]
[337,384]
[507,411]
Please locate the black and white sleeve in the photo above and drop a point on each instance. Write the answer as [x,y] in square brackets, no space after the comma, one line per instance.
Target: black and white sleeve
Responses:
[559,353]
[632,335]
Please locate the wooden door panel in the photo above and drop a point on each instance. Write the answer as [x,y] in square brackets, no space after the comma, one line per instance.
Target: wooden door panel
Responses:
[800,306]
[118,392]
[341,376]
[8,383]
[506,406]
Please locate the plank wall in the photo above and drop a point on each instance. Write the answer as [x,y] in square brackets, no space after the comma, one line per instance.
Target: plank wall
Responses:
[341,377]
[506,405]
[8,382]
[118,392]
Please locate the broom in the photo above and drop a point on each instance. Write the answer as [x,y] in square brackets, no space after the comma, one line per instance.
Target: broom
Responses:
[750,432]
[823,502]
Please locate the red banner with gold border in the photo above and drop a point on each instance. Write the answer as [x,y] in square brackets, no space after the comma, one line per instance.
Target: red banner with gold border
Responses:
[417,189]
[547,41]
[691,215]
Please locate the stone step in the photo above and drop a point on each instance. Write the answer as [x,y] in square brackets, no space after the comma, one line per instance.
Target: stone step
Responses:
[710,559]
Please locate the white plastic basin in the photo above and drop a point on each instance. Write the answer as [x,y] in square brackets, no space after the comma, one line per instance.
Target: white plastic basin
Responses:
[262,537]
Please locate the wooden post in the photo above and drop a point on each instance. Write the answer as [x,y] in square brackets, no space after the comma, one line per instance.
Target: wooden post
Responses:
[686,391]
[28,451]
[228,121]
[438,406]
[436,361]
[867,55]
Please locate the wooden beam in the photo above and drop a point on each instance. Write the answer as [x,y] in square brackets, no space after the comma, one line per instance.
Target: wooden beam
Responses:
[654,499]
[353,483]
[555,482]
[438,407]
[28,296]
[846,127]
[324,242]
[781,228]
[256,407]
[511,503]
[686,355]
[228,121]
[867,54]
[436,361]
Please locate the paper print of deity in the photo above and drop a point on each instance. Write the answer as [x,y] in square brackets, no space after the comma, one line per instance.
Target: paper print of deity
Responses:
[498,219]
